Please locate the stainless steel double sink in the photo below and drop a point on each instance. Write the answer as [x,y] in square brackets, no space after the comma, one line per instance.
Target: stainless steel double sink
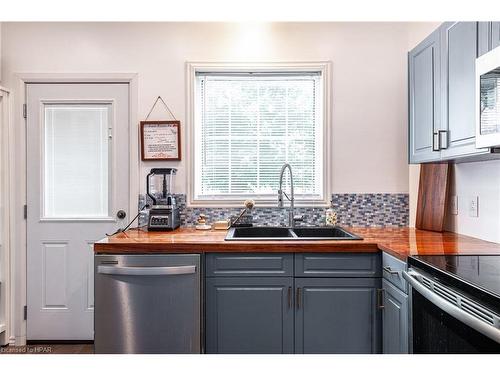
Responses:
[289,234]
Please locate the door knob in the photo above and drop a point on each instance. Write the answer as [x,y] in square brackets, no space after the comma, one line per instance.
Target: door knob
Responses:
[121,214]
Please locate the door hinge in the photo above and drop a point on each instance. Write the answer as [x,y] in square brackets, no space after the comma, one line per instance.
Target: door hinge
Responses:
[25,211]
[25,110]
[25,312]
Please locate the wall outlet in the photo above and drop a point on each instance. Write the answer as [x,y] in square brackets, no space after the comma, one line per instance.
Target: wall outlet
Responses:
[474,206]
[454,205]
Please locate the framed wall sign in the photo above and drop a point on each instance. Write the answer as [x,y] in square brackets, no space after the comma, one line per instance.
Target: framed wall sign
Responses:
[161,140]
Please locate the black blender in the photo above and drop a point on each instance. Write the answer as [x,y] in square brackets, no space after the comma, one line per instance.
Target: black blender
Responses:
[164,214]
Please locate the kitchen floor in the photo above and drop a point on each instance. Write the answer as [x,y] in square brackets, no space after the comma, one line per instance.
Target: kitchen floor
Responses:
[49,349]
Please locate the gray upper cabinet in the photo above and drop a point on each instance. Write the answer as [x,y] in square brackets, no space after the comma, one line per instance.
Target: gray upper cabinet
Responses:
[442,87]
[495,34]
[249,315]
[337,315]
[488,36]
[483,38]
[394,320]
[424,99]
[459,49]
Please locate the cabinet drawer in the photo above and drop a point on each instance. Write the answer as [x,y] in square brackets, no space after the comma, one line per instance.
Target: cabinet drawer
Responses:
[337,265]
[249,265]
[392,270]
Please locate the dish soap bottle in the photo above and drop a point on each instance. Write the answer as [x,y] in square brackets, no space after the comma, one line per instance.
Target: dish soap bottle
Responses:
[330,216]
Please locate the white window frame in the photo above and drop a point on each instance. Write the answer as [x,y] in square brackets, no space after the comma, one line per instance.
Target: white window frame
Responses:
[324,67]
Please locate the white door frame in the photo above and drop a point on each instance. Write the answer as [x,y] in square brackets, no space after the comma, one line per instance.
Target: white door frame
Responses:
[6,189]
[19,231]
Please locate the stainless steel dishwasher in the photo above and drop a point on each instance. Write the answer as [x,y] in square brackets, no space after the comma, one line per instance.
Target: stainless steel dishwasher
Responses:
[147,303]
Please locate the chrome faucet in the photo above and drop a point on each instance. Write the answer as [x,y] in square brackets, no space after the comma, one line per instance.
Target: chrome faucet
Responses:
[291,217]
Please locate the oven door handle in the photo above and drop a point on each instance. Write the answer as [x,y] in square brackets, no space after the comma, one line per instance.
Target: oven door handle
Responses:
[470,320]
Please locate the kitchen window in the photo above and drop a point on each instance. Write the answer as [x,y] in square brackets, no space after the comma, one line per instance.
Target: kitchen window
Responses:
[247,123]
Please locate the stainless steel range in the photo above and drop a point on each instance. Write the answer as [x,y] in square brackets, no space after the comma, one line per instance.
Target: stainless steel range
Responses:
[454,303]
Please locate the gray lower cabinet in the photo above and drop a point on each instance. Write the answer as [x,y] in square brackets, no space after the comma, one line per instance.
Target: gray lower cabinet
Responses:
[249,315]
[292,303]
[424,100]
[337,315]
[394,320]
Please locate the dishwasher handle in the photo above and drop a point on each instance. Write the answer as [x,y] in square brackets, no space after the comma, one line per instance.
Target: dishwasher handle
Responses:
[146,271]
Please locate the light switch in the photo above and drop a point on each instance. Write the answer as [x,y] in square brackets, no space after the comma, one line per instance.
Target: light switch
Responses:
[454,205]
[474,206]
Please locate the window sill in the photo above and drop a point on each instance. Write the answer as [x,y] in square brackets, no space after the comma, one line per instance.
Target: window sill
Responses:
[258,203]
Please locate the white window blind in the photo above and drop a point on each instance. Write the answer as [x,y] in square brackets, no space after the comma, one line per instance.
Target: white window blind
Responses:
[248,125]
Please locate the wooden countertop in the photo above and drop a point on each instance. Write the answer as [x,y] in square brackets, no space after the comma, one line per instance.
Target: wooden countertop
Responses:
[400,242]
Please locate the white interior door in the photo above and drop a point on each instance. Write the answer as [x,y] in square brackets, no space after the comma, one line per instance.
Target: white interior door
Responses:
[77,181]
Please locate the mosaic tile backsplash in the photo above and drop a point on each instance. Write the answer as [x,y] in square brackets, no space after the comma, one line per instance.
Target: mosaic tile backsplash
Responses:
[362,210]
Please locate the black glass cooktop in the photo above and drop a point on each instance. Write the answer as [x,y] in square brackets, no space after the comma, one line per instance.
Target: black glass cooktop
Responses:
[480,271]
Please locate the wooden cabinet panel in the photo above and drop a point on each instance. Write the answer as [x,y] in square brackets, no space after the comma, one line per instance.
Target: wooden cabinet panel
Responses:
[337,315]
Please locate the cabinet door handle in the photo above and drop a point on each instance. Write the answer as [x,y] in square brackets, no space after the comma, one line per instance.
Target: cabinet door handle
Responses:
[289,297]
[380,298]
[298,298]
[435,141]
[443,139]
[390,270]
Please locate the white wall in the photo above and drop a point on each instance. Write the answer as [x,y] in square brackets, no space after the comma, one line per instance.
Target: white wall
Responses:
[476,179]
[369,77]
[0,51]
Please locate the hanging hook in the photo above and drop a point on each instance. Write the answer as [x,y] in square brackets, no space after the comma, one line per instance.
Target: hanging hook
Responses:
[165,104]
